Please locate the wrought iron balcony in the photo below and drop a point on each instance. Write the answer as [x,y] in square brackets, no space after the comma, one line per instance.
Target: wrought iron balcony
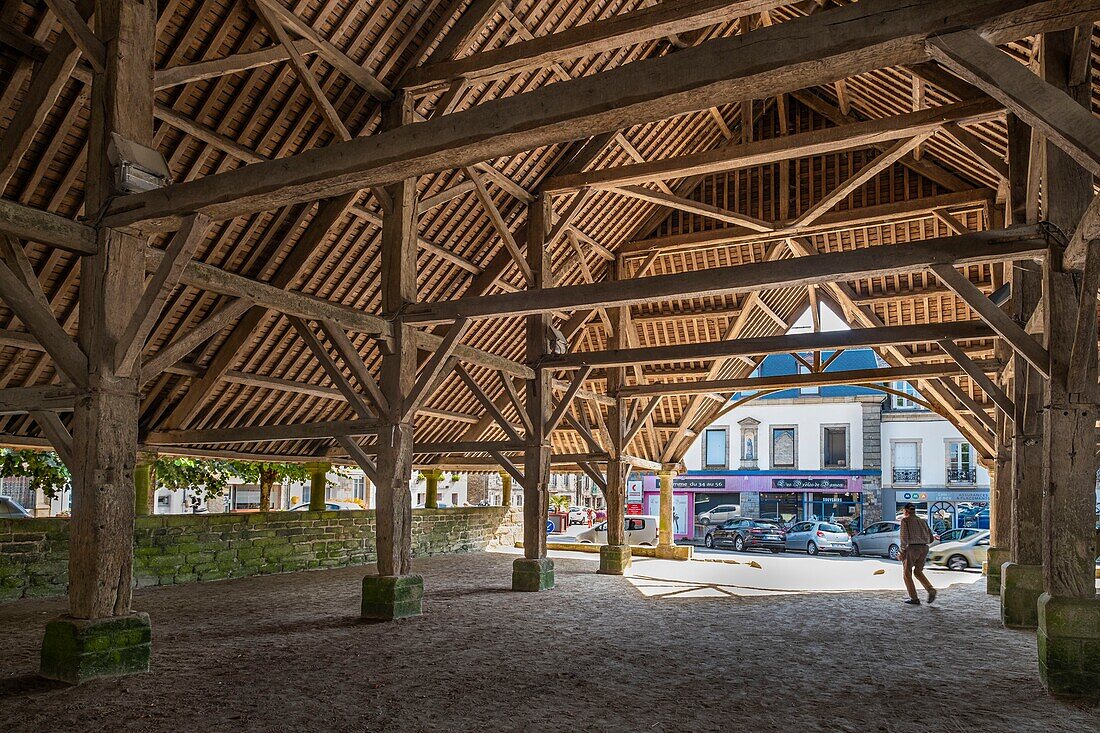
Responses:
[906,475]
[962,475]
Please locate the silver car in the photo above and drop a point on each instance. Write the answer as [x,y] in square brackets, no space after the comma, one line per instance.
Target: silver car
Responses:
[881,538]
[814,537]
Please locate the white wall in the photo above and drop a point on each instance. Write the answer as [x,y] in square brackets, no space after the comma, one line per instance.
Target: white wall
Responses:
[932,432]
[807,417]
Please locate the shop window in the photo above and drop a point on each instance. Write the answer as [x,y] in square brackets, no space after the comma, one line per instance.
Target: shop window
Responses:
[906,461]
[904,403]
[783,448]
[834,446]
[716,448]
[960,463]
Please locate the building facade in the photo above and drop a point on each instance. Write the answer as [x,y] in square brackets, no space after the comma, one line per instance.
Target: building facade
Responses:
[852,455]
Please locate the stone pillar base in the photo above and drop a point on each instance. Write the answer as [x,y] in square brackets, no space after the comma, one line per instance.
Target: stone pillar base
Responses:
[673,552]
[1069,646]
[1021,586]
[996,557]
[532,575]
[76,650]
[614,559]
[392,597]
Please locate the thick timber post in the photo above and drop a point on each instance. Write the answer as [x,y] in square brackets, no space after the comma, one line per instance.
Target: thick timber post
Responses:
[101,636]
[318,485]
[1068,610]
[1022,573]
[535,571]
[615,555]
[396,593]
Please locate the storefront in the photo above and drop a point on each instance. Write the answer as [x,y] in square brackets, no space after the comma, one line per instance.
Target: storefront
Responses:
[701,500]
[945,509]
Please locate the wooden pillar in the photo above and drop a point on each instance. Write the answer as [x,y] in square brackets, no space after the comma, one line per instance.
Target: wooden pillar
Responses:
[535,571]
[1021,575]
[431,492]
[105,419]
[143,484]
[1068,610]
[318,485]
[615,555]
[395,593]
[505,489]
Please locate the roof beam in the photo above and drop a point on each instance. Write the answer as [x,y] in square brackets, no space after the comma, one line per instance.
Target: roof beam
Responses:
[769,150]
[815,50]
[813,379]
[626,29]
[763,345]
[1065,123]
[262,433]
[42,226]
[994,246]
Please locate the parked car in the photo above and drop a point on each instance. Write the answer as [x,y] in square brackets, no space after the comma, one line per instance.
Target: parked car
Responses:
[330,506]
[815,537]
[881,538]
[960,555]
[640,530]
[744,534]
[11,509]
[719,514]
[578,515]
[976,520]
[956,535]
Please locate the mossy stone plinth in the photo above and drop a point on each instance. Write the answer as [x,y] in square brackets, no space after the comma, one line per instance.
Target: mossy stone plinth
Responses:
[76,650]
[392,597]
[532,575]
[996,557]
[1069,646]
[1021,586]
[614,559]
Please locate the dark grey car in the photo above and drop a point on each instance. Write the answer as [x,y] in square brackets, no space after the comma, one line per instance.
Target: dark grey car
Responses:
[881,538]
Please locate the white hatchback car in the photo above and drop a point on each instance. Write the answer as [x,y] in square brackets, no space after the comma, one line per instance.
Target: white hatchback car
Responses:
[719,514]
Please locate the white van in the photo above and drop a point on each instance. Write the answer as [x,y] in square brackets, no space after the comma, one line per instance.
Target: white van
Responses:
[640,530]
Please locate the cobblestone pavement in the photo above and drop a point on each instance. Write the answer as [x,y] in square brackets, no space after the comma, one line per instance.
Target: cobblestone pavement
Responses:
[288,653]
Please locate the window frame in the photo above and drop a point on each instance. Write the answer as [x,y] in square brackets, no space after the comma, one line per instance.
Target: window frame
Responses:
[771,446]
[724,429]
[825,427]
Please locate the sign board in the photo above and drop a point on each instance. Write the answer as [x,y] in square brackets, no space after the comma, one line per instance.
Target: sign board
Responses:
[688,482]
[634,509]
[549,527]
[811,484]
[634,492]
[918,497]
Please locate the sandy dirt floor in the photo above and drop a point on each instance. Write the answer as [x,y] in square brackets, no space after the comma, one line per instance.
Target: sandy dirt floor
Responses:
[288,653]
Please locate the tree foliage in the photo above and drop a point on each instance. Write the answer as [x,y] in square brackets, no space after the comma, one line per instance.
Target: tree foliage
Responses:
[268,474]
[208,477]
[44,468]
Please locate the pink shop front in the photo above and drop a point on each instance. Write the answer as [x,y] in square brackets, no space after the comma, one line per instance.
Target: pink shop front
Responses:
[702,499]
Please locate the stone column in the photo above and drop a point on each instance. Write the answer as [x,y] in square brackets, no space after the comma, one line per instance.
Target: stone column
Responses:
[666,544]
[318,484]
[1068,609]
[143,485]
[506,489]
[431,492]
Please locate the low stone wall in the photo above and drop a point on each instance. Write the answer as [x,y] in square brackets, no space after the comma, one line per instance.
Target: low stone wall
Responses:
[171,549]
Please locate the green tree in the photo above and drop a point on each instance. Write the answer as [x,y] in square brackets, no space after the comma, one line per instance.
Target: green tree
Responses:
[267,475]
[560,503]
[209,477]
[44,468]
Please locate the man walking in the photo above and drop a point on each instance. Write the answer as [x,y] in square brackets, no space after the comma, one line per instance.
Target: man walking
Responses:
[915,538]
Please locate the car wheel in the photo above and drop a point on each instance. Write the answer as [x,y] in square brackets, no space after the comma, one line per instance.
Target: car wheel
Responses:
[704,521]
[844,553]
[646,544]
[709,541]
[894,552]
[855,549]
[811,548]
[957,562]
[776,550]
[739,544]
